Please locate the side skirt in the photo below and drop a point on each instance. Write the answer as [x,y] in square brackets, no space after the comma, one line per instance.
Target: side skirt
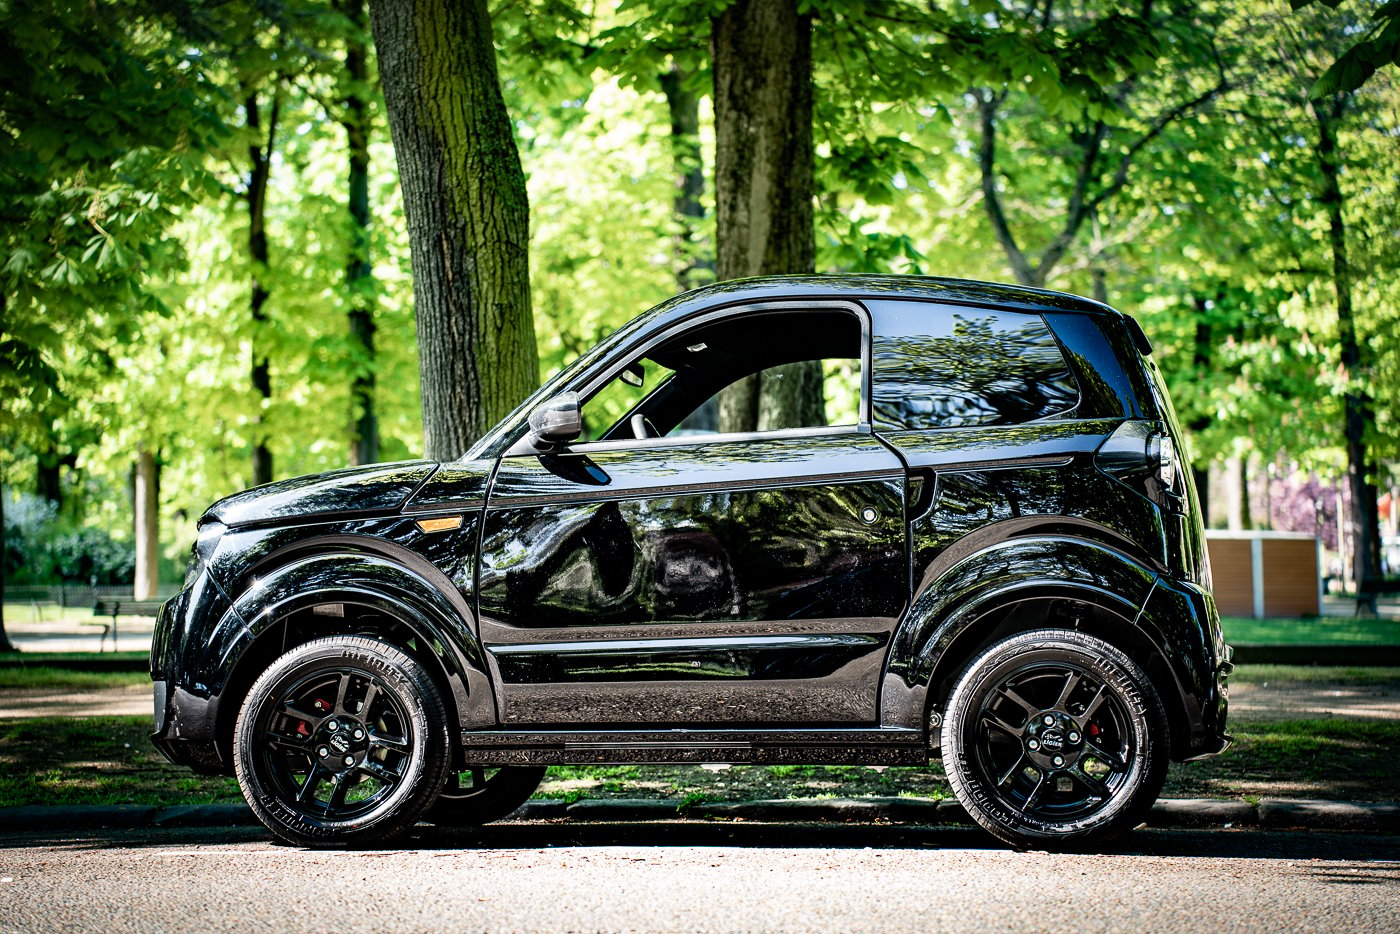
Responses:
[765,747]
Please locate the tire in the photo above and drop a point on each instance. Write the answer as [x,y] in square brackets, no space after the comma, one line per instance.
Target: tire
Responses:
[479,795]
[341,742]
[1089,774]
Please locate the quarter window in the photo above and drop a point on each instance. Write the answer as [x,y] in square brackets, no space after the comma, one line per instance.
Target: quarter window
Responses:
[941,367]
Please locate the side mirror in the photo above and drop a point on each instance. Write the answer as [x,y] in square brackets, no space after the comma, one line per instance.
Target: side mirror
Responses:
[556,421]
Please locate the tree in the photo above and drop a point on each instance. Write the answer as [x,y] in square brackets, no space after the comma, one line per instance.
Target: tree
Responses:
[359,279]
[468,216]
[1102,103]
[1378,47]
[103,115]
[693,266]
[762,55]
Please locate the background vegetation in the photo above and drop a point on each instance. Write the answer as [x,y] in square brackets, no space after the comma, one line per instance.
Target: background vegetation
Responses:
[205,263]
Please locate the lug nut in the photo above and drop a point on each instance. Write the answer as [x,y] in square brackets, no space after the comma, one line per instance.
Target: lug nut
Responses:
[1048,720]
[1034,744]
[1073,736]
[349,760]
[323,752]
[1058,760]
[359,734]
[332,726]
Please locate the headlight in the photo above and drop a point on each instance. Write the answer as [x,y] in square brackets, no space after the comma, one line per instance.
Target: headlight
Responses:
[203,550]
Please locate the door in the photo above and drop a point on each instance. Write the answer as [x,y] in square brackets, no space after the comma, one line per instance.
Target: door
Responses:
[751,582]
[667,575]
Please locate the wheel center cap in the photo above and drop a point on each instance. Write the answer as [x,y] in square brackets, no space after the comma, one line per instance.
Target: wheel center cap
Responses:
[1052,740]
[340,743]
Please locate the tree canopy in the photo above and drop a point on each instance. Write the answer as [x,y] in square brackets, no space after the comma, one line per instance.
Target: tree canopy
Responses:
[217,228]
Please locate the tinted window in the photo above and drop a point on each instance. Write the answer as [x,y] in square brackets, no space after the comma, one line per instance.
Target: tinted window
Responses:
[806,363]
[941,367]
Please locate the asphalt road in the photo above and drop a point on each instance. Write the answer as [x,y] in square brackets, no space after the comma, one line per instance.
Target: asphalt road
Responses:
[698,877]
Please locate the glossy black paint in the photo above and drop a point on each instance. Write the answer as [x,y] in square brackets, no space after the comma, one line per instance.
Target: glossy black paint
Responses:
[376,488]
[692,562]
[805,596]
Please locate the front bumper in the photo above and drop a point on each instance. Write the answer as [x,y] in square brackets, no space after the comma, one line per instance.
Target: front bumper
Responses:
[184,715]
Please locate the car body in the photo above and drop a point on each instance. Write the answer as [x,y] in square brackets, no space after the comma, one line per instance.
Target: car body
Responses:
[997,519]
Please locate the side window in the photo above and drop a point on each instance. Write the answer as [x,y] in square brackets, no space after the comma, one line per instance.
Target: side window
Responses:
[609,405]
[942,367]
[806,366]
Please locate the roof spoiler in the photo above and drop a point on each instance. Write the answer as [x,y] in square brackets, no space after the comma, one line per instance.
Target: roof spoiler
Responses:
[1140,339]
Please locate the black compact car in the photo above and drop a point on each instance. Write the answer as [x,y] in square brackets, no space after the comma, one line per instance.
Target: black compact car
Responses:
[973,538]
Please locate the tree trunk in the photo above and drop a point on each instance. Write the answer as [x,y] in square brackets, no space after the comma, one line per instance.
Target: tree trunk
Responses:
[260,172]
[359,280]
[1358,410]
[5,644]
[693,267]
[1236,494]
[48,477]
[468,215]
[1100,284]
[762,52]
[1201,361]
[147,516]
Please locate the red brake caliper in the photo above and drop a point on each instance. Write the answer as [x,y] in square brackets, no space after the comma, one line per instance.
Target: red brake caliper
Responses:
[302,728]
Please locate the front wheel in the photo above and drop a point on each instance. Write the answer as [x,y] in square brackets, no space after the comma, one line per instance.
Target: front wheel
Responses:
[342,741]
[1055,739]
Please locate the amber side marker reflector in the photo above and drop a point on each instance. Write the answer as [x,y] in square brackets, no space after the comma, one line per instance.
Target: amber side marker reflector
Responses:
[443,524]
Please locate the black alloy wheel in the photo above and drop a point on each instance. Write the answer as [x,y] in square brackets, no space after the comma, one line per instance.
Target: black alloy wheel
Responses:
[1055,739]
[478,794]
[341,741]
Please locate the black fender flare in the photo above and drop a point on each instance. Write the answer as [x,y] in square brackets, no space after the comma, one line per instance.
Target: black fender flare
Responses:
[1012,571]
[360,579]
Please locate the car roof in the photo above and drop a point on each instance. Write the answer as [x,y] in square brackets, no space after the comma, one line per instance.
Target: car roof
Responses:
[919,288]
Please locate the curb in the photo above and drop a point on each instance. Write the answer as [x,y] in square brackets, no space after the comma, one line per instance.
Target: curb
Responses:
[1269,813]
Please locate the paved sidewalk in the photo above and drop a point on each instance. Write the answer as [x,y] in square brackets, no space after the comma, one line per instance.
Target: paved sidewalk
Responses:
[1315,700]
[130,701]
[40,635]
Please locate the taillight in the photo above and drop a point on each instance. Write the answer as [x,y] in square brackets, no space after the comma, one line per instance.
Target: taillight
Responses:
[1142,455]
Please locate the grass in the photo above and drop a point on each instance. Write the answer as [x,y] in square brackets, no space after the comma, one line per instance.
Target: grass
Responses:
[1305,675]
[134,661]
[49,678]
[97,760]
[110,760]
[1332,759]
[1322,629]
[53,613]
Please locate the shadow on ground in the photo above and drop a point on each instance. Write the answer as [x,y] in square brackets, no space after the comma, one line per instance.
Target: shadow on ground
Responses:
[1375,853]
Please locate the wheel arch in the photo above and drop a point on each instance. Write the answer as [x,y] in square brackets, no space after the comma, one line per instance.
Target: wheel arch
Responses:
[345,593]
[1005,590]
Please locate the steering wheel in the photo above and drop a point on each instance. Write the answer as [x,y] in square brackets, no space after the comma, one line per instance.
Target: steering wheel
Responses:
[642,427]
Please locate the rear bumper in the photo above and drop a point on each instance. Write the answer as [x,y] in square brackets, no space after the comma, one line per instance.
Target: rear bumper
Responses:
[1184,617]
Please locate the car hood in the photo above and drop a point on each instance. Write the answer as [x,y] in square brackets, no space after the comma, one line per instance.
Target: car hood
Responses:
[377,488]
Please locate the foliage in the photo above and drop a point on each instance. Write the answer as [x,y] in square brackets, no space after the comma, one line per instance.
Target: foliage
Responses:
[42,549]
[1380,46]
[125,276]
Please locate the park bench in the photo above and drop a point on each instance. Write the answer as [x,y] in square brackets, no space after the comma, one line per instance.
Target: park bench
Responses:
[113,608]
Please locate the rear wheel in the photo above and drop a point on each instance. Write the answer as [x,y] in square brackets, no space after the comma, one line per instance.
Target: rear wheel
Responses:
[342,741]
[479,795]
[1055,739]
